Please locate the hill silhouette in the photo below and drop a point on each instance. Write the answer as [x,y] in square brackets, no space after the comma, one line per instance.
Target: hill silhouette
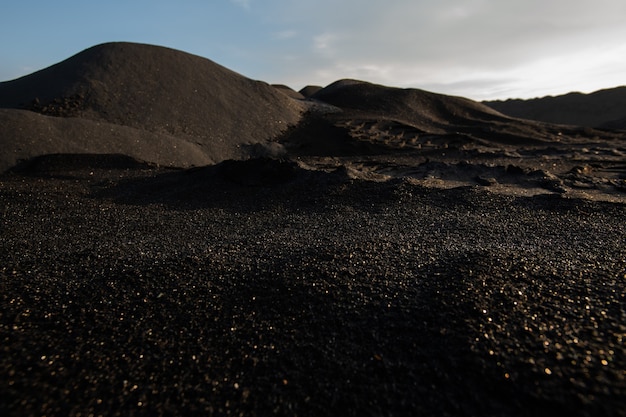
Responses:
[424,109]
[362,117]
[171,108]
[603,109]
[309,90]
[195,110]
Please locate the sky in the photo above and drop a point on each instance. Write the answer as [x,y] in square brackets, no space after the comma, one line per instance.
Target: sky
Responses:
[480,49]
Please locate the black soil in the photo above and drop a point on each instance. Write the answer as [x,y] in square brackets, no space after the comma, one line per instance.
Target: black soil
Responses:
[366,251]
[130,290]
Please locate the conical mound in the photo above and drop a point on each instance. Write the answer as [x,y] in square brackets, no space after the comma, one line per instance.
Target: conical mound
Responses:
[173,95]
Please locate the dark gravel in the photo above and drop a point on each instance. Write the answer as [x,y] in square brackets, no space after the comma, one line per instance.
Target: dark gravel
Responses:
[317,297]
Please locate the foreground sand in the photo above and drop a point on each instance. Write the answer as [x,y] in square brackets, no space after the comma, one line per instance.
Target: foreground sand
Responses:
[150,292]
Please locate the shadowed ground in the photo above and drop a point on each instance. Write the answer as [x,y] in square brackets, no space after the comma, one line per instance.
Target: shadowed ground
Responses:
[307,293]
[367,250]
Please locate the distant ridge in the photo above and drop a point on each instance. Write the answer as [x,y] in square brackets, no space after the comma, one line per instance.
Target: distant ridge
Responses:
[182,100]
[602,109]
[171,108]
[405,118]
[309,90]
[421,108]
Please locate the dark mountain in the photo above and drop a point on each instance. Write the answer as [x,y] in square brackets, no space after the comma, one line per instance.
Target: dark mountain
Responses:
[192,108]
[603,108]
[309,90]
[417,107]
[361,117]
[172,108]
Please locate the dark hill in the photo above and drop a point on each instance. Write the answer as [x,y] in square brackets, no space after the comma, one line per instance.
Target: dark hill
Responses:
[178,97]
[290,92]
[418,107]
[309,90]
[365,118]
[603,108]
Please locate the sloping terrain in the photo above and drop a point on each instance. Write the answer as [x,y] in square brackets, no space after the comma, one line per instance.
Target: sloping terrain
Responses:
[309,90]
[396,253]
[445,141]
[431,113]
[261,288]
[171,108]
[26,134]
[194,111]
[603,108]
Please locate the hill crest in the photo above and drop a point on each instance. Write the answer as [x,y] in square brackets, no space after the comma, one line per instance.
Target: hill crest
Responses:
[160,90]
[603,108]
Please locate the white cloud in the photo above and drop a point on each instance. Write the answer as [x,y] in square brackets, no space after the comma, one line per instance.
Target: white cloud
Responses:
[479,48]
[325,43]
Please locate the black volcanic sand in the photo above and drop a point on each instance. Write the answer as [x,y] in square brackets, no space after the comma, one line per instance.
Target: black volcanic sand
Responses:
[174,109]
[152,103]
[264,288]
[403,253]
[441,141]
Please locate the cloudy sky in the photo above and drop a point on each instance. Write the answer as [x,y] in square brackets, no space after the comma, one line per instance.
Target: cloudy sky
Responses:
[480,49]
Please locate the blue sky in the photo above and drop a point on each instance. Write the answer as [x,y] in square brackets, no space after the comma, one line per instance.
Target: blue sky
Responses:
[479,49]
